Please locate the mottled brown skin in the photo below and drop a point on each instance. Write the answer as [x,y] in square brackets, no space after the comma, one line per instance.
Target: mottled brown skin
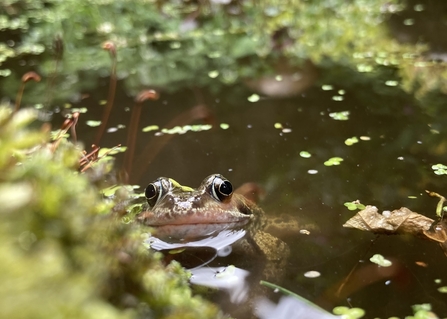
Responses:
[184,211]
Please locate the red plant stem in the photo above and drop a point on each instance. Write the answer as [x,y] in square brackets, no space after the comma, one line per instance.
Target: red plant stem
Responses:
[19,97]
[132,137]
[110,101]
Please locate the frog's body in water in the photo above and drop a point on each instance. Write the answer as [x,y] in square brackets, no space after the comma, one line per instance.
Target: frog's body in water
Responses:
[182,214]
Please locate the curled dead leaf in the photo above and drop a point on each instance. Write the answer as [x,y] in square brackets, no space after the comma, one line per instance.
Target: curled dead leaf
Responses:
[400,221]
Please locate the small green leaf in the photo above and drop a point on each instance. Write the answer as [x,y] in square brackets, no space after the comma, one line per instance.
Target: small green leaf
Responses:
[340,116]
[333,161]
[380,260]
[352,140]
[92,123]
[443,289]
[253,98]
[278,126]
[305,154]
[150,128]
[439,169]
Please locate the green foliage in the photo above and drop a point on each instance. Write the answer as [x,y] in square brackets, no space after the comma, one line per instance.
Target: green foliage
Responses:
[63,253]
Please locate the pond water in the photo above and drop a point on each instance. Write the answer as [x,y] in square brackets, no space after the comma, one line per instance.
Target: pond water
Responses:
[268,141]
[392,162]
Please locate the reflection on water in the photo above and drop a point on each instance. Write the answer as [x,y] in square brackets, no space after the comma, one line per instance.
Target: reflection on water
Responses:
[289,308]
[215,270]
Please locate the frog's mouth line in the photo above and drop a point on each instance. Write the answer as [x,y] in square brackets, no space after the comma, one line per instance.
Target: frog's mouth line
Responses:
[151,219]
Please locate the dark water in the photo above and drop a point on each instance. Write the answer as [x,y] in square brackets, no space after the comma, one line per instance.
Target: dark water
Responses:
[383,171]
[406,136]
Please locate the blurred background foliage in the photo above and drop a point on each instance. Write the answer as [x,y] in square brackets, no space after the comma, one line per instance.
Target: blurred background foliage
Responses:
[176,43]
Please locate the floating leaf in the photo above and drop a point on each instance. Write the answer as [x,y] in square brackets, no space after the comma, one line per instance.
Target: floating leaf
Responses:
[340,116]
[327,87]
[278,126]
[380,260]
[337,98]
[391,83]
[253,98]
[439,169]
[333,161]
[305,154]
[92,123]
[400,221]
[352,140]
[443,289]
[349,313]
[354,205]
[224,126]
[312,274]
[150,128]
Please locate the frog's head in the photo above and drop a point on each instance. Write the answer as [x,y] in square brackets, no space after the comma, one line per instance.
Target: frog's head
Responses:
[213,202]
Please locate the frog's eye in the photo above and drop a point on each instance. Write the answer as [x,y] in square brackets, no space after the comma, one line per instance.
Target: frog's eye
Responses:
[153,192]
[221,188]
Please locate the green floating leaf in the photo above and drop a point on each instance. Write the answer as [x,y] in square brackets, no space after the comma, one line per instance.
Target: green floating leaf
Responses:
[327,87]
[443,289]
[380,260]
[305,154]
[224,126]
[333,161]
[92,123]
[340,116]
[337,98]
[278,126]
[354,205]
[186,128]
[150,128]
[352,140]
[253,98]
[439,169]
[391,83]
[349,313]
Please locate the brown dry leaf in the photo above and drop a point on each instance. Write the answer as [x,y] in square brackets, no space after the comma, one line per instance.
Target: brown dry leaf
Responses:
[400,221]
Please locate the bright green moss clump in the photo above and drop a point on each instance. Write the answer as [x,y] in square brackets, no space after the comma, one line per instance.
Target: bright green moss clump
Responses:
[64,255]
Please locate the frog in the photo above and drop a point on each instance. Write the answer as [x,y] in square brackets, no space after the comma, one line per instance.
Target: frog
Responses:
[182,214]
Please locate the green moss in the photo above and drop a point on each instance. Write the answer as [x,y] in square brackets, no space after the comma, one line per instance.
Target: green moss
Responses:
[64,255]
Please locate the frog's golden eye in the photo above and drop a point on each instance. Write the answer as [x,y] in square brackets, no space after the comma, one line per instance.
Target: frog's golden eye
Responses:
[221,188]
